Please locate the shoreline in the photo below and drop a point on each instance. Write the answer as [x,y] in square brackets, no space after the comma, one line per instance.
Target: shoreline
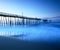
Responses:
[7,43]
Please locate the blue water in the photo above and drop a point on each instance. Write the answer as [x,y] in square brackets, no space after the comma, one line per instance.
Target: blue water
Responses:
[45,32]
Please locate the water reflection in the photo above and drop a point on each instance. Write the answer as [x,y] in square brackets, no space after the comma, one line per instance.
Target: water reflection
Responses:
[45,32]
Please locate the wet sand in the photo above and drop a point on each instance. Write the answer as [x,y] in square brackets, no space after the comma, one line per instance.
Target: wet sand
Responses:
[7,43]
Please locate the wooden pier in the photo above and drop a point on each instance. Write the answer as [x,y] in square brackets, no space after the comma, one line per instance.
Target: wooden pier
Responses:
[11,19]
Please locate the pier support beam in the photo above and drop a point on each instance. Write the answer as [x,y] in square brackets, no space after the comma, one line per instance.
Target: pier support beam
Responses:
[23,21]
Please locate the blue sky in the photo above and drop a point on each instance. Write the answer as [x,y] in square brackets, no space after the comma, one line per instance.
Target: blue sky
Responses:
[31,8]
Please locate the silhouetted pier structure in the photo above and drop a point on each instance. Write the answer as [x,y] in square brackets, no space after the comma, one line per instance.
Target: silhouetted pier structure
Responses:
[11,19]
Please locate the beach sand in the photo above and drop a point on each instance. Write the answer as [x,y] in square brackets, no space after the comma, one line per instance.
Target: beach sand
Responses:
[7,43]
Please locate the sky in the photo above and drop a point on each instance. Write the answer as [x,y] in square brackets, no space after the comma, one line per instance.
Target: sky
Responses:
[31,8]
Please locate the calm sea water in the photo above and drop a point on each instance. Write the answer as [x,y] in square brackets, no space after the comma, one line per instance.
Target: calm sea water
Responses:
[45,32]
